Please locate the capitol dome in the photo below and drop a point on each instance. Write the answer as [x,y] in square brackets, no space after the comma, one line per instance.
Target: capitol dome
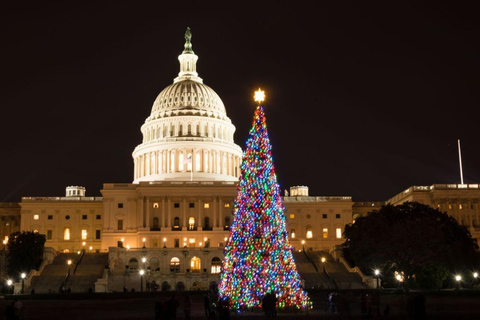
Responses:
[188,135]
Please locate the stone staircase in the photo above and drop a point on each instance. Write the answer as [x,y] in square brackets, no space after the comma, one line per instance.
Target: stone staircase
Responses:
[79,276]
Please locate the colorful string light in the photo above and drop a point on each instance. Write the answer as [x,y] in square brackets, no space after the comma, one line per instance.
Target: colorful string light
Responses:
[258,255]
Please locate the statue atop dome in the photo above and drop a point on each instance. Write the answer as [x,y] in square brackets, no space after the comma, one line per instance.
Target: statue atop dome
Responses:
[188,44]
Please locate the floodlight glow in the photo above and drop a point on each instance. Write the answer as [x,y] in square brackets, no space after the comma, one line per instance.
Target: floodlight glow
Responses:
[458,278]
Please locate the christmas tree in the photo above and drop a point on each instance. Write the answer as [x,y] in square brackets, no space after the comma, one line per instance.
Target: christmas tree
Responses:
[258,255]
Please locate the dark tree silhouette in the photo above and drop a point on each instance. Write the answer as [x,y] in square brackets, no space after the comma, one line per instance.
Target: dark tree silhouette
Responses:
[25,252]
[410,237]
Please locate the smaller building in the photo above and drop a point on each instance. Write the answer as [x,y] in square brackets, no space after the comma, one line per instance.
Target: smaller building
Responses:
[316,222]
[70,223]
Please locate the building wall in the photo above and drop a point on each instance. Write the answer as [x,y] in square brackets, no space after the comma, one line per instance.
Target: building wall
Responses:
[461,201]
[52,216]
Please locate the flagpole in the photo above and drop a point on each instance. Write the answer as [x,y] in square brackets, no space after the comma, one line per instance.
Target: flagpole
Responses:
[460,161]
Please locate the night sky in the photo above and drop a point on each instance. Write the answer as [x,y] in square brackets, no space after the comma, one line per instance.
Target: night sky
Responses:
[364,99]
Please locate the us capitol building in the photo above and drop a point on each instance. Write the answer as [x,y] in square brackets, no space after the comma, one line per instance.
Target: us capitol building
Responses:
[173,220]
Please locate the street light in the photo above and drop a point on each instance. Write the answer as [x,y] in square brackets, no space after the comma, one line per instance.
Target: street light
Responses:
[144,240]
[144,260]
[458,278]
[9,284]
[23,275]
[303,245]
[377,273]
[83,244]
[323,262]
[164,242]
[142,272]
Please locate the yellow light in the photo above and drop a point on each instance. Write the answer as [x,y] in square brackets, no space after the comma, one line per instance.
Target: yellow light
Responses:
[24,275]
[90,248]
[323,259]
[144,239]
[128,246]
[259,95]
[69,262]
[164,239]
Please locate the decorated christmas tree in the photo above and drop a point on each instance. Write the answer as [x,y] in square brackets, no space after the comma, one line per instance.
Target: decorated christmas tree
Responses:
[258,256]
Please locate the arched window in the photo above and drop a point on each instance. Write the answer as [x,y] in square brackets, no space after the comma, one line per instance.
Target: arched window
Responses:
[309,232]
[180,286]
[216,265]
[175,265]
[133,264]
[195,265]
[155,223]
[191,223]
[154,264]
[66,234]
[176,223]
[206,223]
[165,286]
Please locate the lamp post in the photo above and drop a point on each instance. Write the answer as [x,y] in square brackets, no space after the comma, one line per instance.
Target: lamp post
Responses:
[5,242]
[144,260]
[303,245]
[323,263]
[9,284]
[83,244]
[142,272]
[23,275]
[144,240]
[458,278]
[377,274]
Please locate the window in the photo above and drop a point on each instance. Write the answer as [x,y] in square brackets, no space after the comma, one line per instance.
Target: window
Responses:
[292,215]
[308,216]
[191,205]
[216,265]
[50,217]
[191,242]
[449,206]
[155,205]
[337,216]
[67,217]
[176,205]
[98,217]
[97,234]
[339,233]
[36,217]
[195,265]
[206,205]
[460,206]
[227,223]
[84,234]
[120,225]
[176,243]
[309,234]
[176,223]
[325,233]
[49,234]
[191,223]
[175,265]
[133,264]
[206,223]
[227,205]
[120,205]
[292,233]
[66,234]
[324,216]
[84,217]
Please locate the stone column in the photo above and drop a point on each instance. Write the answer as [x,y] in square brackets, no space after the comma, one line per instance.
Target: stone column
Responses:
[214,220]
[184,214]
[199,214]
[163,213]
[147,213]
[169,214]
[220,213]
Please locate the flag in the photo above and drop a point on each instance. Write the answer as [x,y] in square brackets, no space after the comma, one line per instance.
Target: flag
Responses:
[187,160]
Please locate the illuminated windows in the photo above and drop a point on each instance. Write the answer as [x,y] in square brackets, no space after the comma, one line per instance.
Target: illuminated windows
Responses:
[325,233]
[66,234]
[84,234]
[36,217]
[175,265]
[206,205]
[191,223]
[195,264]
[292,215]
[216,265]
[292,234]
[339,233]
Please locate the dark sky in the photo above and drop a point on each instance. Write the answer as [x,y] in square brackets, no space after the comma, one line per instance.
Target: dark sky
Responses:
[364,98]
